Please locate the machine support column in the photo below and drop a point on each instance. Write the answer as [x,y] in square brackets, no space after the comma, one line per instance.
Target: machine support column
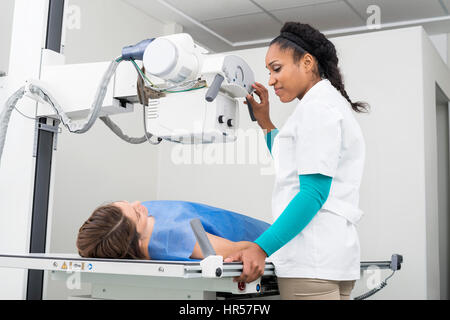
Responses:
[46,131]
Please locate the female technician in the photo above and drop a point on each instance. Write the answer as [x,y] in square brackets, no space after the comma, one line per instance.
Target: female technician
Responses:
[318,157]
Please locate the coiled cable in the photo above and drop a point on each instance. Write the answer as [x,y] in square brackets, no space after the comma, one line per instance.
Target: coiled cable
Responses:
[374,290]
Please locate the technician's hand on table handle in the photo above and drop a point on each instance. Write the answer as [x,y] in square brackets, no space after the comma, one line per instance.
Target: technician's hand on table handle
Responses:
[254,261]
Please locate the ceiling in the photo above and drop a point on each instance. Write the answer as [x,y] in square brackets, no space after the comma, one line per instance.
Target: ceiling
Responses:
[225,25]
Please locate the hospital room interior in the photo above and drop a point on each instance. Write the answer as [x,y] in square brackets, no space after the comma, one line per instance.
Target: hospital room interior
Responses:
[65,61]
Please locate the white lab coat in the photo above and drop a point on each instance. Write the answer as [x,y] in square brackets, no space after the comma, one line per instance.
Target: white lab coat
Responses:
[321,136]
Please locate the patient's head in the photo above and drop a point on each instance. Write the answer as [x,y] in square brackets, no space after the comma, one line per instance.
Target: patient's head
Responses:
[109,233]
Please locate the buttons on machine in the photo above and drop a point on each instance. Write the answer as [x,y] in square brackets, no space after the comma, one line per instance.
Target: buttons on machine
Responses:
[230,122]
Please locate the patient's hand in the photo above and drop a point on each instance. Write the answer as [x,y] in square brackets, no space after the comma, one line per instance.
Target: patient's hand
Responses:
[223,247]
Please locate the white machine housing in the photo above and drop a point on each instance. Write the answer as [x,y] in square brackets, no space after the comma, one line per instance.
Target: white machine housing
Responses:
[182,116]
[174,58]
[187,117]
[191,119]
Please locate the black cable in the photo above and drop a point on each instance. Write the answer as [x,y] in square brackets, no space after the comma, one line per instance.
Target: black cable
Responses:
[375,290]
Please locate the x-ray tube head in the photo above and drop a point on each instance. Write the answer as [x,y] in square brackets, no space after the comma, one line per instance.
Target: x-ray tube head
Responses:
[172,58]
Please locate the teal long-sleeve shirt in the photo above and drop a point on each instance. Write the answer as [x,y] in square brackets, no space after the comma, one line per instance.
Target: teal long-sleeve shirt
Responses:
[314,190]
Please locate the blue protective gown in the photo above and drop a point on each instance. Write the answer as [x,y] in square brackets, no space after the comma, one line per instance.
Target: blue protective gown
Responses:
[172,237]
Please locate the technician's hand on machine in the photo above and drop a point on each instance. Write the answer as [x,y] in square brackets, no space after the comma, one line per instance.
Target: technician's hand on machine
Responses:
[254,261]
[261,110]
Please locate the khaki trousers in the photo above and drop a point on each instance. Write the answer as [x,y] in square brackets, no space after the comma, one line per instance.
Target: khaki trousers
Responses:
[314,289]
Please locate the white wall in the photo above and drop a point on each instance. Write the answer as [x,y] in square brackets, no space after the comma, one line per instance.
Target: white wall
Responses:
[104,29]
[435,73]
[440,42]
[6,19]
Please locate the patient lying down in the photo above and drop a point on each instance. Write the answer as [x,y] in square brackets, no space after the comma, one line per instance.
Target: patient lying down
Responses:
[161,230]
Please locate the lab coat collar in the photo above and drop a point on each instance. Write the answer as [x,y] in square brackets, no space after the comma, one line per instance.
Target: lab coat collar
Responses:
[314,90]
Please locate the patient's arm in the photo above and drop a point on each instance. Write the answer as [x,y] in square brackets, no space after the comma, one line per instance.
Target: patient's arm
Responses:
[222,246]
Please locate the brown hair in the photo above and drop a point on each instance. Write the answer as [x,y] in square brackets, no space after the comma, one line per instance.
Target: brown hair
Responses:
[108,233]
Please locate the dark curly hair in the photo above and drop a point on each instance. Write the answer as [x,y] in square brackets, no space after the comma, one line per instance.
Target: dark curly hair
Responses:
[302,38]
